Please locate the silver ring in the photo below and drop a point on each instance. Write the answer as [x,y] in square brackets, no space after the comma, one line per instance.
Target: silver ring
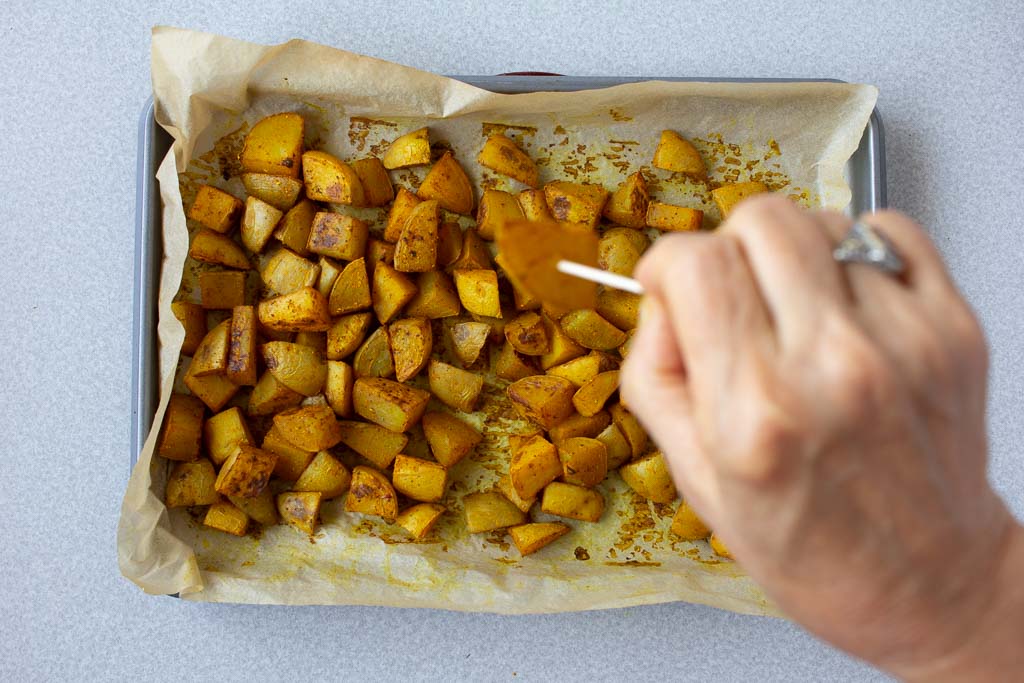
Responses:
[864,244]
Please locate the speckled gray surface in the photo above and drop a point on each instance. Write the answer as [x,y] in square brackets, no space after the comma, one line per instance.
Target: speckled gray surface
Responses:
[74,78]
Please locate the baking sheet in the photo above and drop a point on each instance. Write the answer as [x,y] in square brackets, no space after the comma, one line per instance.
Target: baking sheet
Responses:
[356,562]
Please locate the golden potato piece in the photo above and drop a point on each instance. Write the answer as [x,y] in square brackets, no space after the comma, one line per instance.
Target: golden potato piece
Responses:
[620,308]
[619,250]
[212,247]
[371,494]
[450,438]
[392,405]
[436,297]
[528,334]
[338,387]
[467,340]
[373,358]
[576,202]
[534,205]
[590,398]
[728,196]
[496,207]
[223,516]
[193,319]
[504,486]
[213,390]
[304,310]
[529,538]
[584,461]
[182,431]
[376,444]
[392,290]
[379,251]
[543,399]
[503,155]
[215,209]
[474,254]
[449,243]
[338,236]
[300,509]
[419,519]
[630,428]
[419,479]
[329,179]
[580,370]
[411,149]
[718,545]
[346,334]
[278,191]
[376,182]
[325,475]
[258,223]
[649,477]
[573,502]
[628,204]
[298,367]
[511,366]
[262,508]
[411,344]
[490,510]
[416,249]
[562,350]
[478,291]
[351,291]
[448,184]
[191,483]
[311,427]
[220,289]
[211,358]
[580,425]
[291,459]
[246,471]
[241,361]
[293,228]
[687,525]
[619,450]
[274,145]
[676,153]
[455,387]
[674,218]
[285,272]
[588,329]
[534,465]
[223,432]
[402,207]
[329,272]
[269,396]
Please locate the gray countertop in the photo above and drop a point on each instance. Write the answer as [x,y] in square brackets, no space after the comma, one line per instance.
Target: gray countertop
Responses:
[74,78]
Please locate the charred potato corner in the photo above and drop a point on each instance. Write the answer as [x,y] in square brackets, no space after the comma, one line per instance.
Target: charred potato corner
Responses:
[353,334]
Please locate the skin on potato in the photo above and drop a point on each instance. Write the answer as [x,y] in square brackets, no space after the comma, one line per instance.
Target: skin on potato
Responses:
[379,251]
[329,272]
[495,208]
[241,363]
[347,334]
[258,223]
[728,196]
[338,236]
[649,477]
[687,525]
[628,204]
[419,519]
[619,450]
[504,485]
[545,400]
[223,432]
[291,459]
[193,319]
[246,472]
[404,204]
[325,475]
[467,340]
[534,205]
[293,229]
[213,390]
[590,398]
[371,494]
[392,290]
[215,209]
[576,202]
[478,292]
[311,427]
[436,297]
[455,387]
[373,358]
[630,428]
[411,344]
[338,387]
[529,538]
[351,291]
[677,154]
[411,149]
[619,250]
[304,310]
[212,247]
[534,465]
[191,483]
[449,243]
[182,434]
[674,218]
[269,396]
[389,404]
[375,443]
[274,145]
[262,508]
[419,479]
[580,425]
[278,191]
[490,510]
[300,509]
[285,272]
[376,182]
[474,254]
[571,501]
[621,309]
[298,367]
[329,179]
[563,348]
[223,516]
[450,439]
[580,370]
[588,329]
[528,334]
[416,249]
[511,366]
[449,185]
[504,156]
[584,461]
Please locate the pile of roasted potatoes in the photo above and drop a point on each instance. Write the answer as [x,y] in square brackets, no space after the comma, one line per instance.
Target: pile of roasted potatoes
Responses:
[354,337]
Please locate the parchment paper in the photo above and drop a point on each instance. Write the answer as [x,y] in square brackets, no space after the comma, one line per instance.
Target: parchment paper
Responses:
[209,90]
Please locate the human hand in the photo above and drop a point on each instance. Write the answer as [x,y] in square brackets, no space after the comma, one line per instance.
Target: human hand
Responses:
[828,421]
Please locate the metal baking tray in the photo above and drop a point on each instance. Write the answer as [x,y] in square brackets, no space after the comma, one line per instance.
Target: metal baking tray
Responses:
[865,173]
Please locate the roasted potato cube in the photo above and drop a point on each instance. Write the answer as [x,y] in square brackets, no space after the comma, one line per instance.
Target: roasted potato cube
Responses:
[191,483]
[402,207]
[649,477]
[504,485]
[379,251]
[624,349]
[580,425]
[687,525]
[619,308]
[534,205]
[728,196]
[419,519]
[258,224]
[212,247]
[490,510]
[628,204]
[286,272]
[448,184]
[436,297]
[588,329]
[543,399]
[528,334]
[590,398]
[450,438]
[280,192]
[371,494]
[213,390]
[211,358]
[474,254]
[455,387]
[411,149]
[501,154]
[718,545]
[329,179]
[511,366]
[467,340]
[300,509]
[580,370]
[351,291]
[495,208]
[416,249]
[293,228]
[529,538]
[269,396]
[562,348]
[392,290]
[584,461]
[630,428]
[274,145]
[325,475]
[338,387]
[674,218]
[311,427]
[411,343]
[298,367]
[246,471]
[576,202]
[377,189]
[219,289]
[392,405]
[193,319]
[419,479]
[241,360]
[215,209]
[619,249]
[478,291]
[534,465]
[375,443]
[223,516]
[291,459]
[312,339]
[619,450]
[373,358]
[337,235]
[574,502]
[223,432]
[262,508]
[449,243]
[304,310]
[676,153]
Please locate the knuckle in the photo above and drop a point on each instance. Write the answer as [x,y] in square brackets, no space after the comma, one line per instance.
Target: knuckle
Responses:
[766,450]
[969,339]
[858,374]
